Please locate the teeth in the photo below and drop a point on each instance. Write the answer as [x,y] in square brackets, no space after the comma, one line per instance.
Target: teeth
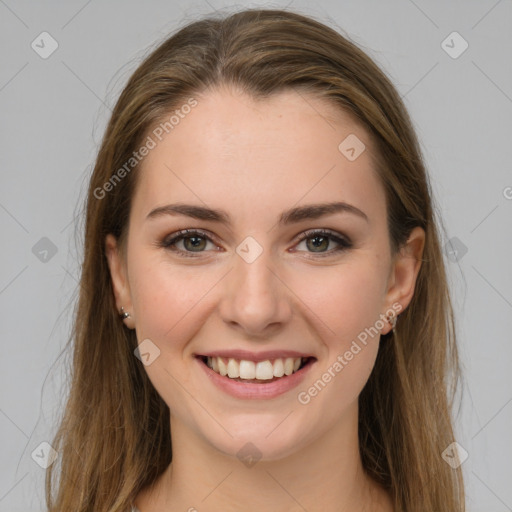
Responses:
[247,370]
[278,368]
[233,369]
[261,370]
[222,366]
[288,366]
[264,370]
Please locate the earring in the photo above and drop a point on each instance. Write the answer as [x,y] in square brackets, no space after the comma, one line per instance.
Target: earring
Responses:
[123,314]
[391,318]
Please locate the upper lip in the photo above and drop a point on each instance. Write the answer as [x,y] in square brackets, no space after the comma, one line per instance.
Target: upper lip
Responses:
[254,356]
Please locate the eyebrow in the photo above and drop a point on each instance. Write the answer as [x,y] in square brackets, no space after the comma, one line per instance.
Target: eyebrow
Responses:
[291,216]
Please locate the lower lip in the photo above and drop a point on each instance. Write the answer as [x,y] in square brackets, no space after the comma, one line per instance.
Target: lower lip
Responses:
[251,390]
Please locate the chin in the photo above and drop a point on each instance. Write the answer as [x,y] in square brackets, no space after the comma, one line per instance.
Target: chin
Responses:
[262,437]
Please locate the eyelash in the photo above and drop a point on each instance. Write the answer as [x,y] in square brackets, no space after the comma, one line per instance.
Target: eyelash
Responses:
[343,243]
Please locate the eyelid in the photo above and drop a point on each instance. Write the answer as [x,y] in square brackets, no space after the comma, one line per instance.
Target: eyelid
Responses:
[324,231]
[343,241]
[177,236]
[190,232]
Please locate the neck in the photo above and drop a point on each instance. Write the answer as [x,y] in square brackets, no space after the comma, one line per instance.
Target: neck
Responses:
[326,475]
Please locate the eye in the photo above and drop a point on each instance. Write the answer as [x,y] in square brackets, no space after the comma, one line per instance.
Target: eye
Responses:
[317,241]
[193,241]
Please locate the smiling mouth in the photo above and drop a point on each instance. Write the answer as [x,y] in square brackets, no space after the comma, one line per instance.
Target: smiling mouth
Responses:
[270,370]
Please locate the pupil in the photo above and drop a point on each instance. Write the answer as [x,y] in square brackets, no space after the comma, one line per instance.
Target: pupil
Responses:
[317,244]
[195,241]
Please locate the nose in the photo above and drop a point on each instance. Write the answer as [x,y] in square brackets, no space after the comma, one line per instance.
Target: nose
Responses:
[256,301]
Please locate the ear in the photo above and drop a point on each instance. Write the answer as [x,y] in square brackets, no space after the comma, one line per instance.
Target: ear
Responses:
[405,269]
[119,277]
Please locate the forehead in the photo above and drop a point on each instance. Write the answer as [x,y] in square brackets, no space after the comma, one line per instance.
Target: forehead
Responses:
[260,156]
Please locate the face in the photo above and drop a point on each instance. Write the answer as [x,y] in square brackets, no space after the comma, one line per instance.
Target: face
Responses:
[261,279]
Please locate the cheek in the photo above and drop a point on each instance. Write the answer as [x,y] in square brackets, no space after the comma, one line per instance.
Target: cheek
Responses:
[345,298]
[341,303]
[344,304]
[170,305]
[333,393]
[169,299]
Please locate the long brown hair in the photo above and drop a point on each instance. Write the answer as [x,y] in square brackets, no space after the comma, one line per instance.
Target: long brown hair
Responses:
[114,437]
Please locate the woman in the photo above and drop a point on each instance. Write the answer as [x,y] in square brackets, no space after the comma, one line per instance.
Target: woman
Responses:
[258,217]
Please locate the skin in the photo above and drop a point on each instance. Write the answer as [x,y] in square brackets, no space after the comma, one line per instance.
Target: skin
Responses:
[255,159]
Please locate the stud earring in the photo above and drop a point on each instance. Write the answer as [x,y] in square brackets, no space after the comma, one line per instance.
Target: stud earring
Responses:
[391,318]
[123,314]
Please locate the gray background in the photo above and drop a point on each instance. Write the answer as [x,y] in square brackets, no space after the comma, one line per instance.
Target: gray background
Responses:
[53,115]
